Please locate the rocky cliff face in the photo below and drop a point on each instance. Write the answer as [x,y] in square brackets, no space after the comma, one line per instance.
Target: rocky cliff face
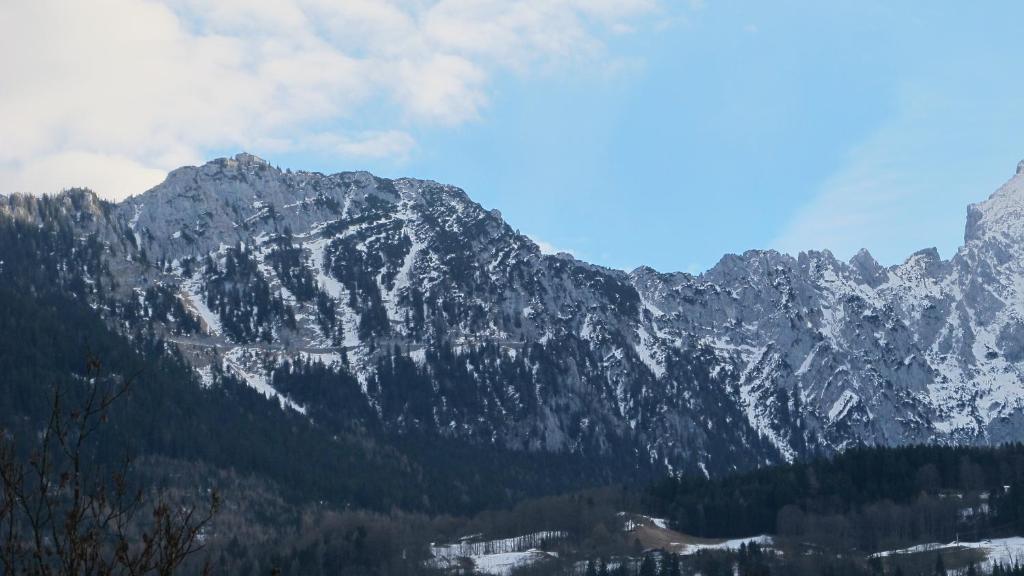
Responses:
[432,316]
[921,352]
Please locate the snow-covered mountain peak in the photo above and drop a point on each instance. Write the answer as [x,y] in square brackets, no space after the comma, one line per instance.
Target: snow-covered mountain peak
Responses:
[81,205]
[927,262]
[246,158]
[764,356]
[864,264]
[863,257]
[1001,217]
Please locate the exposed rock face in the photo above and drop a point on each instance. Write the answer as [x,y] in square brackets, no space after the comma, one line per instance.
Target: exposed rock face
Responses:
[764,357]
[925,351]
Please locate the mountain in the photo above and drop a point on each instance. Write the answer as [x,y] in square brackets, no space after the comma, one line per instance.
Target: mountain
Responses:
[403,310]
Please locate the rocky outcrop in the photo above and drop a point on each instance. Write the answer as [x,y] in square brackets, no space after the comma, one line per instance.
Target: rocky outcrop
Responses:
[764,357]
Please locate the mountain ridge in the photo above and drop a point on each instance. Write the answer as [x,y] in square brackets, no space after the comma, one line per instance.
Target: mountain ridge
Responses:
[764,357]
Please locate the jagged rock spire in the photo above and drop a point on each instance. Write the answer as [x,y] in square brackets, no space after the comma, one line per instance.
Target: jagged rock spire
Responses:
[1001,216]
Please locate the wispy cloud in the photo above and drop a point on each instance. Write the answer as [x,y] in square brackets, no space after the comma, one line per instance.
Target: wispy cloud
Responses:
[142,86]
[907,184]
[549,248]
[861,205]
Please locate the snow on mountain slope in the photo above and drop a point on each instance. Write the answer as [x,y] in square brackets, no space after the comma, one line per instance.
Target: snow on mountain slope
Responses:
[452,322]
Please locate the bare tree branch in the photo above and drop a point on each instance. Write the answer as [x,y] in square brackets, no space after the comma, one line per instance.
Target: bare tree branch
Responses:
[59,516]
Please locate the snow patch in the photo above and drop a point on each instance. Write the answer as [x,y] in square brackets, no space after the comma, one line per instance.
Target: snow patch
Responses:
[495,557]
[236,361]
[209,318]
[649,355]
[842,406]
[1004,551]
[728,545]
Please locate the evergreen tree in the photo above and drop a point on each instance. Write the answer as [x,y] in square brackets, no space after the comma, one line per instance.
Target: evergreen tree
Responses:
[647,566]
[670,564]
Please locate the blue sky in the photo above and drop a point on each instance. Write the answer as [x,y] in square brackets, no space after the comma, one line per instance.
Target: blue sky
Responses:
[805,125]
[664,134]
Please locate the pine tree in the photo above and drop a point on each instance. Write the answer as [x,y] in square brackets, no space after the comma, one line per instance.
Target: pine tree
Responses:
[647,567]
[670,565]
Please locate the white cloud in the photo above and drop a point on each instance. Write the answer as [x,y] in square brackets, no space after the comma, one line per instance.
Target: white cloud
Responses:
[863,205]
[896,192]
[109,176]
[446,88]
[549,248]
[385,144]
[695,269]
[142,86]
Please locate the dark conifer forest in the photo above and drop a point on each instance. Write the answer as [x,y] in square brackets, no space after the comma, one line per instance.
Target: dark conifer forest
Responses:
[340,489]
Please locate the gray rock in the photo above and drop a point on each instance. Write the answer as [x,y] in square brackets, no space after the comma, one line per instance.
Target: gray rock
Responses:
[764,357]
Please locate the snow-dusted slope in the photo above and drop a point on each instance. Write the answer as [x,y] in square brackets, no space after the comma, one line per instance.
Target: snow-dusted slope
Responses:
[764,357]
[838,353]
[1005,552]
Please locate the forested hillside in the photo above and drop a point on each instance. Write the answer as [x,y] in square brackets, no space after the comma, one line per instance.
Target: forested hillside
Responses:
[383,376]
[189,437]
[433,317]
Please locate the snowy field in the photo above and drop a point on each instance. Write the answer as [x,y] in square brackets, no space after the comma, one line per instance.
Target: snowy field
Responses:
[1005,551]
[728,545]
[495,557]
